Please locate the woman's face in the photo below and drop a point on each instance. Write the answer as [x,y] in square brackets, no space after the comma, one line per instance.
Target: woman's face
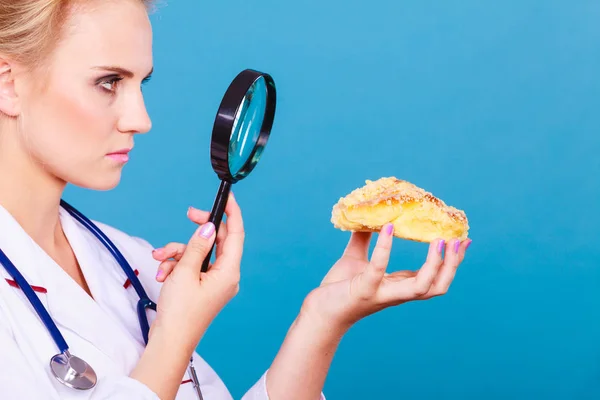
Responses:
[78,121]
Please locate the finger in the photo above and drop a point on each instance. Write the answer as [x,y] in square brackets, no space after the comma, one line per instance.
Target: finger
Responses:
[171,250]
[423,280]
[200,217]
[157,254]
[358,245]
[235,223]
[455,252]
[164,269]
[463,250]
[197,248]
[233,243]
[371,277]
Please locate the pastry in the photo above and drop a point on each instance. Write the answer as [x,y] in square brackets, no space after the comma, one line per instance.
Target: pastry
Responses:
[416,214]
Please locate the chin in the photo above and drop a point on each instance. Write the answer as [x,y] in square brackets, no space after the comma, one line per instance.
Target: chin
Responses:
[105,186]
[100,182]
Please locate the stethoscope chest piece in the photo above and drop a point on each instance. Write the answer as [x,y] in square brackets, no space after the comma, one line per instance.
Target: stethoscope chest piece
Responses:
[72,371]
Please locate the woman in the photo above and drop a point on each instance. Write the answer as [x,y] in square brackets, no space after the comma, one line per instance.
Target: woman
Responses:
[70,106]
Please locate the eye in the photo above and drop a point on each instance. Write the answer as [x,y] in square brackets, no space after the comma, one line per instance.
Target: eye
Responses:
[109,83]
[145,81]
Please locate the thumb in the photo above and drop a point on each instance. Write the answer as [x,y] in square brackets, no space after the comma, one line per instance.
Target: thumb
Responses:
[198,247]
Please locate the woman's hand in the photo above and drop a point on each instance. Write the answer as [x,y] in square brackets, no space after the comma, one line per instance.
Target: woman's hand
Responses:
[356,287]
[189,300]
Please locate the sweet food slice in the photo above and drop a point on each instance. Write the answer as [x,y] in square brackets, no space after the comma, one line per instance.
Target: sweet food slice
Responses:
[416,214]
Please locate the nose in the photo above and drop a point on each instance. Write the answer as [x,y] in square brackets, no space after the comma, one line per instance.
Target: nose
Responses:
[135,118]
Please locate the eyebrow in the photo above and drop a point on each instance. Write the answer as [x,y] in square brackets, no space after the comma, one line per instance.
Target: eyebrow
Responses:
[122,71]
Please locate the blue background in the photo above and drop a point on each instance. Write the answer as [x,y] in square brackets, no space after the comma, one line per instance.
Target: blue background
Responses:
[492,106]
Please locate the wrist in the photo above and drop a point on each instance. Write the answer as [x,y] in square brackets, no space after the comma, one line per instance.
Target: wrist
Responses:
[177,339]
[326,329]
[324,316]
[163,364]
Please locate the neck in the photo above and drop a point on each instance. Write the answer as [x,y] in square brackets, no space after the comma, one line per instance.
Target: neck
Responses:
[30,193]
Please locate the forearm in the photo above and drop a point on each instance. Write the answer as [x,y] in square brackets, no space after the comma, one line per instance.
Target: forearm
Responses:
[301,366]
[163,364]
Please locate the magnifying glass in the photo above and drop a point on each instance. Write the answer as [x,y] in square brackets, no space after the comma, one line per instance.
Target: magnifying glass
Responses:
[240,133]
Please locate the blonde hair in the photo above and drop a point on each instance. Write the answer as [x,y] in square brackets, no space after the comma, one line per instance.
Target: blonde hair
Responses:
[30,29]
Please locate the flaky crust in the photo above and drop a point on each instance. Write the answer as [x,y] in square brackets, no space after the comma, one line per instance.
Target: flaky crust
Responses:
[416,214]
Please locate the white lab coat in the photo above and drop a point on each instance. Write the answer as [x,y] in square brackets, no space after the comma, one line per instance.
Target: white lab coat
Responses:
[103,331]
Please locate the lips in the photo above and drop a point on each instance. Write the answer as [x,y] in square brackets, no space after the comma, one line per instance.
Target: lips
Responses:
[122,151]
[120,156]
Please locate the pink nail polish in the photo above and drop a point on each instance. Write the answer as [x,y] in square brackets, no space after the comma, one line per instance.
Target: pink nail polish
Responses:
[456,245]
[159,274]
[468,244]
[206,230]
[390,229]
[441,246]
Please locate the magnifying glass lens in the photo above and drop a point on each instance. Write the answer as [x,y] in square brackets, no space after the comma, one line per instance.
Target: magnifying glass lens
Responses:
[246,126]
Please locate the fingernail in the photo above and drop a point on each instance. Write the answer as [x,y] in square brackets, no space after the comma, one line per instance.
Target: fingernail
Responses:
[159,274]
[389,229]
[456,245]
[468,244]
[441,246]
[206,230]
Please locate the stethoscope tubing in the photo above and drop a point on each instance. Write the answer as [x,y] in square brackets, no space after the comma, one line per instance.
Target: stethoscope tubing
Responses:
[35,302]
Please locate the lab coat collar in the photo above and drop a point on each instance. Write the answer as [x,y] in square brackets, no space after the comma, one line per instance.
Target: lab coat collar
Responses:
[21,250]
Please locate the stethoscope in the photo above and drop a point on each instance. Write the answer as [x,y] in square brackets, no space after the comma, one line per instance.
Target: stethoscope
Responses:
[68,369]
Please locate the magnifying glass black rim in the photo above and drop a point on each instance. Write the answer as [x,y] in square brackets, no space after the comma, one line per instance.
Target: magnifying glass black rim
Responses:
[225,119]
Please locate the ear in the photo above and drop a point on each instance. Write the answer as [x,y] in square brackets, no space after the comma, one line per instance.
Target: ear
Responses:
[9,103]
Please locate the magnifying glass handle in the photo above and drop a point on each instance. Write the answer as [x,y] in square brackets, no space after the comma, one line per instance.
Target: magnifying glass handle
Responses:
[216,216]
